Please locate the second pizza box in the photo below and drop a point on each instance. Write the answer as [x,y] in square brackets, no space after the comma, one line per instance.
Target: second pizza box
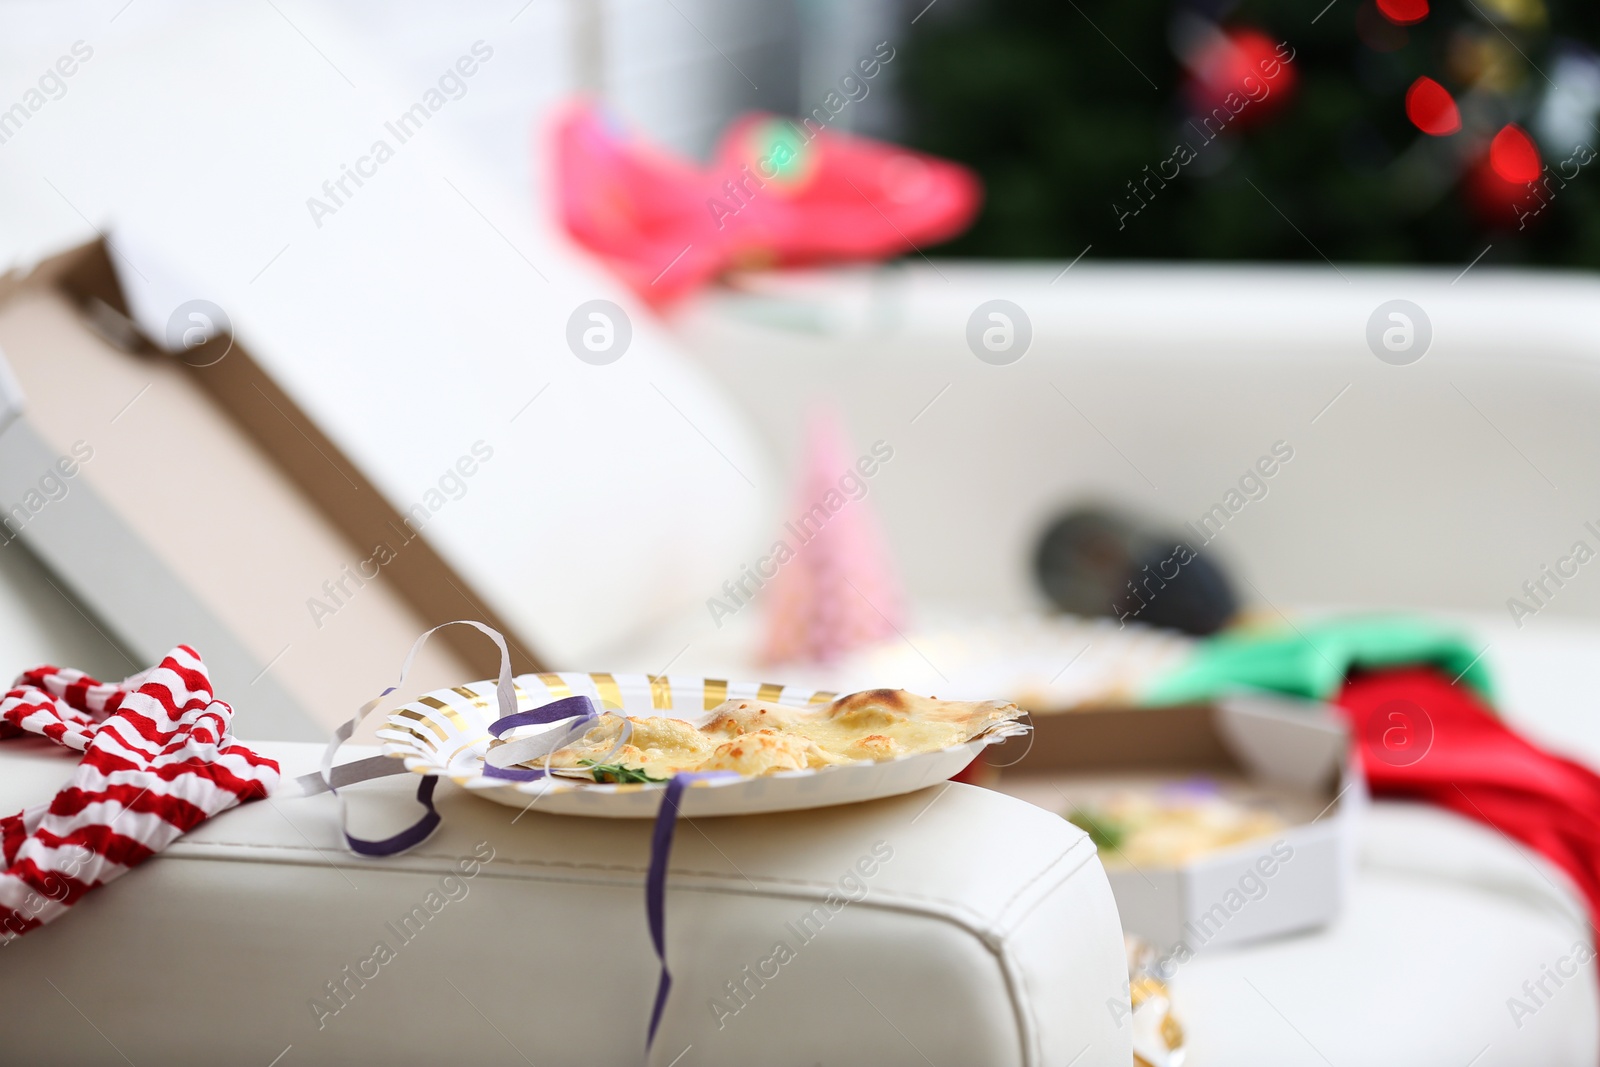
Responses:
[1278,768]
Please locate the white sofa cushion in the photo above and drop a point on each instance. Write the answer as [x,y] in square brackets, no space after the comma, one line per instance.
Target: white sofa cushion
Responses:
[1444,922]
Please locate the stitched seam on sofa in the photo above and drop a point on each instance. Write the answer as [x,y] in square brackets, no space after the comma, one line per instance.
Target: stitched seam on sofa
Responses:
[1013,971]
[1016,986]
[312,857]
[1027,1026]
[307,857]
[958,914]
[1083,857]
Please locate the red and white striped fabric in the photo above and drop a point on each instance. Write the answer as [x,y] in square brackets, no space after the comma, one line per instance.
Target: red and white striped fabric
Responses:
[158,760]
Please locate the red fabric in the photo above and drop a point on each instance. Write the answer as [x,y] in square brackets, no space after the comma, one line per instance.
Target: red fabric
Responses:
[668,226]
[1422,738]
[157,761]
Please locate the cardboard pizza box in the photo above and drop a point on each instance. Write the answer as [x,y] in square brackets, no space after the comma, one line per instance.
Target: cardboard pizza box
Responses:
[1290,755]
[188,500]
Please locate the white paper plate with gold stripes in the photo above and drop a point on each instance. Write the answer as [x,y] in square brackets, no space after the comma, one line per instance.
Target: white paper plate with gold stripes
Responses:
[446,734]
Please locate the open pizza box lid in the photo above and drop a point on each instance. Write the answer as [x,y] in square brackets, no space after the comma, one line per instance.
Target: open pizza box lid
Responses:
[181,503]
[1292,753]
[205,505]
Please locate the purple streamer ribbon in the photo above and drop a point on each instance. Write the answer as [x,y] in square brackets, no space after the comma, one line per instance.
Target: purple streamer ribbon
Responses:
[555,711]
[655,883]
[411,836]
[580,708]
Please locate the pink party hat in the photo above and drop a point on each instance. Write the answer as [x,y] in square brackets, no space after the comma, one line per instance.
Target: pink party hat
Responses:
[835,589]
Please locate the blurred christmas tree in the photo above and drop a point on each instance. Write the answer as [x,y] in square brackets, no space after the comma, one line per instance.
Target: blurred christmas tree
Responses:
[1391,130]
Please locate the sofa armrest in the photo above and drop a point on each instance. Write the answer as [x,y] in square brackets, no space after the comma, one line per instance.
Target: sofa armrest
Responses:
[953,923]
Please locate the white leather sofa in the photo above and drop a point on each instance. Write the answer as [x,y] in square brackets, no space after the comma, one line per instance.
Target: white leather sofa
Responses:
[1445,483]
[954,927]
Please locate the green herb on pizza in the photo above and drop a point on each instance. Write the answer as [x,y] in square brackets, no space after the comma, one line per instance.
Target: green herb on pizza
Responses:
[617,773]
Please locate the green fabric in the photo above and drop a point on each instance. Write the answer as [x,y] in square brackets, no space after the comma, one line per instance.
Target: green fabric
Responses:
[1313,660]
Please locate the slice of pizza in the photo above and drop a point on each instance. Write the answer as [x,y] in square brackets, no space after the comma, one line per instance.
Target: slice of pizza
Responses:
[755,737]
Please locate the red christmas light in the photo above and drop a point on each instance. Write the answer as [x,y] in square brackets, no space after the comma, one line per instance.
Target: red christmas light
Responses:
[1431,108]
[1513,155]
[1404,12]
[1244,71]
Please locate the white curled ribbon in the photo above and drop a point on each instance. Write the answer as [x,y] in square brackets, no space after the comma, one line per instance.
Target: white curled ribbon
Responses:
[331,779]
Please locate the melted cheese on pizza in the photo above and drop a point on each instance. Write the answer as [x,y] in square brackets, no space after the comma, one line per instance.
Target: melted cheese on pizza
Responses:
[753,737]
